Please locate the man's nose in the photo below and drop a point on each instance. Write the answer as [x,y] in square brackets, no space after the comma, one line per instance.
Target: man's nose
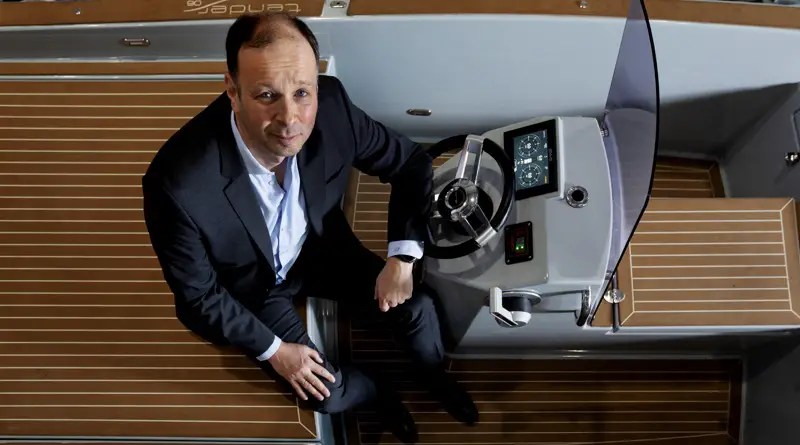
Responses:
[287,112]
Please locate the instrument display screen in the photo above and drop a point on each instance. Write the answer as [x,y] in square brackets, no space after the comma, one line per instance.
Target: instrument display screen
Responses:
[533,151]
[531,159]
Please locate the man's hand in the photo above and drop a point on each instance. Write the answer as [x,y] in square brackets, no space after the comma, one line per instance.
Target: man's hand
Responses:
[394,284]
[300,366]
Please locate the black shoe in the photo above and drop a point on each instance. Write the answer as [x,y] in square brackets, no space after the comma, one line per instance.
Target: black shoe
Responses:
[453,397]
[395,417]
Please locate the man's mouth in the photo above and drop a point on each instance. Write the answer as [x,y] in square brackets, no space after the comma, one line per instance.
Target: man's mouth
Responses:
[285,139]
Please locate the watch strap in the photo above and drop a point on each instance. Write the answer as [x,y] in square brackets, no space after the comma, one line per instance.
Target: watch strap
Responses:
[405,258]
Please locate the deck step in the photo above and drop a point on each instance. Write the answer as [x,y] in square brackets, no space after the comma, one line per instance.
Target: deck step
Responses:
[687,178]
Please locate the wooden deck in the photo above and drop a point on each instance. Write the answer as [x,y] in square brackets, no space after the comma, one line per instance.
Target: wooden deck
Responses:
[89,342]
[575,402]
[713,262]
[89,345]
[698,258]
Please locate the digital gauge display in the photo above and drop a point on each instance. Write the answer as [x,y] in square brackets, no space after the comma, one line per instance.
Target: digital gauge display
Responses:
[531,160]
[533,150]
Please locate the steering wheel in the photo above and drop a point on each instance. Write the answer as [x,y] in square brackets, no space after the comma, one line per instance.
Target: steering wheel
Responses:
[460,202]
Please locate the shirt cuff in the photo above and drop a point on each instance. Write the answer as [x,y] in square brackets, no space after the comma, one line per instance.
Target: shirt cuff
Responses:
[271,351]
[406,247]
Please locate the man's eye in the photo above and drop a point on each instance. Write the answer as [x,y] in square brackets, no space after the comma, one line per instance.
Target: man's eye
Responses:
[265,95]
[302,93]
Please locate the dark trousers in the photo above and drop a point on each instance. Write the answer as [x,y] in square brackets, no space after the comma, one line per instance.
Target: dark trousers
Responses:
[348,275]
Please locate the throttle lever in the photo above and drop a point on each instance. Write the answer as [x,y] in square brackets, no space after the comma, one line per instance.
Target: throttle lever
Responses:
[496,306]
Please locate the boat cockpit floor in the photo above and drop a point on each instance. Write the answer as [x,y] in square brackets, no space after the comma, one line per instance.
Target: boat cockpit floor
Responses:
[556,401]
[575,402]
[91,348]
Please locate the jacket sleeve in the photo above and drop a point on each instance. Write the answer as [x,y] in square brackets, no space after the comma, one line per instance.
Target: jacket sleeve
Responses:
[395,159]
[204,306]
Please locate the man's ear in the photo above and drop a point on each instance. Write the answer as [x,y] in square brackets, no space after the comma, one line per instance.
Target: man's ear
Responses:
[232,90]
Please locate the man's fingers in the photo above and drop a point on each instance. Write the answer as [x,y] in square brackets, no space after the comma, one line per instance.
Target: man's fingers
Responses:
[299,390]
[322,372]
[314,354]
[319,385]
[314,385]
[392,301]
[309,386]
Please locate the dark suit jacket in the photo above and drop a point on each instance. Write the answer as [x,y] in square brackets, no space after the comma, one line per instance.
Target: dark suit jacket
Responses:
[207,229]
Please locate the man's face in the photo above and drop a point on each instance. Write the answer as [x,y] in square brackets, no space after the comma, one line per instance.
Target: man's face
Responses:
[276,99]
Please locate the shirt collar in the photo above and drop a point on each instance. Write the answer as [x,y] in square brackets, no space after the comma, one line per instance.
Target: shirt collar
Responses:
[251,163]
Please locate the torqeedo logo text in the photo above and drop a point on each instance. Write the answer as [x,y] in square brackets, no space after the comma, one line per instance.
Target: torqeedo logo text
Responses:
[225,7]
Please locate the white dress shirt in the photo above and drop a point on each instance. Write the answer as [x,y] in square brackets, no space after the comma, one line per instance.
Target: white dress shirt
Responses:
[284,211]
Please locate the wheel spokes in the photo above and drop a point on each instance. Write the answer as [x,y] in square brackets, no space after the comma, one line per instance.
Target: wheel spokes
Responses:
[472,145]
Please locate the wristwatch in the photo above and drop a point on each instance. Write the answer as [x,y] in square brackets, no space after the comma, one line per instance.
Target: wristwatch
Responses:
[406,258]
[418,267]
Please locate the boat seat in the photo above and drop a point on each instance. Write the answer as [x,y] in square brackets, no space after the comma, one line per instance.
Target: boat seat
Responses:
[700,259]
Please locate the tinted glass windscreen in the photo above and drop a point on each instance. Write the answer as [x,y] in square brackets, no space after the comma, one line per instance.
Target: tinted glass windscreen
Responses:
[531,160]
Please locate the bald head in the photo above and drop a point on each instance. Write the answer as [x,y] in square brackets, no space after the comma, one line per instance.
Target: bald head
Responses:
[263,29]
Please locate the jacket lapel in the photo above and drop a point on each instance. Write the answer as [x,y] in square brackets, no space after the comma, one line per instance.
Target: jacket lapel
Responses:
[311,164]
[241,195]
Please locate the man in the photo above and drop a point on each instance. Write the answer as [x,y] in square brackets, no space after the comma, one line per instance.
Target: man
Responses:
[243,209]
